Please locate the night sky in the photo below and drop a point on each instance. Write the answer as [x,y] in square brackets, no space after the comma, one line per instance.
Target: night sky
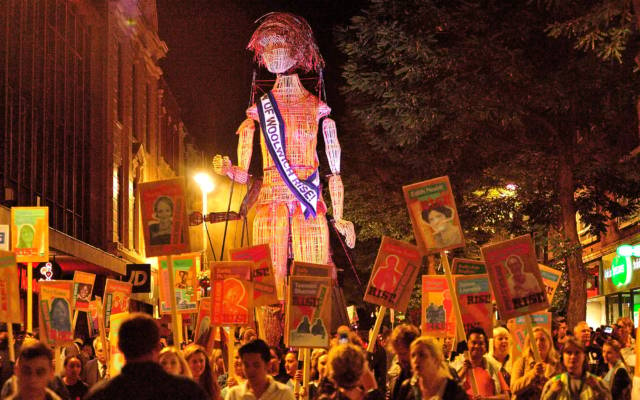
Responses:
[209,70]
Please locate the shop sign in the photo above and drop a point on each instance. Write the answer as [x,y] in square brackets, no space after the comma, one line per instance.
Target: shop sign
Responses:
[619,269]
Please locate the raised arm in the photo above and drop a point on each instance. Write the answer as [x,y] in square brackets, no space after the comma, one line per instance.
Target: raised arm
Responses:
[336,189]
[223,165]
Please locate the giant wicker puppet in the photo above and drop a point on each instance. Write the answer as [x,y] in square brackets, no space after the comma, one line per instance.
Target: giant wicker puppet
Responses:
[290,205]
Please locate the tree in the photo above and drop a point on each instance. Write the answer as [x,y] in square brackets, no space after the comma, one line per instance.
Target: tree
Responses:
[477,90]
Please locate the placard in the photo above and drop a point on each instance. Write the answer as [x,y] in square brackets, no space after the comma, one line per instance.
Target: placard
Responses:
[139,276]
[116,298]
[164,217]
[264,282]
[185,283]
[9,288]
[309,269]
[204,330]
[394,274]
[4,238]
[30,233]
[55,299]
[82,289]
[232,293]
[434,217]
[474,298]
[438,319]
[515,277]
[92,318]
[551,279]
[518,329]
[463,266]
[116,358]
[308,318]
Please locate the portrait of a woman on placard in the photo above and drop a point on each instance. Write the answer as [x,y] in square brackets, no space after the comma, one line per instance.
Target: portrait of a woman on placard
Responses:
[160,229]
[441,220]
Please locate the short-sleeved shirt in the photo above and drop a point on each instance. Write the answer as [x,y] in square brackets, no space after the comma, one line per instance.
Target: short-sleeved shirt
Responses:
[275,391]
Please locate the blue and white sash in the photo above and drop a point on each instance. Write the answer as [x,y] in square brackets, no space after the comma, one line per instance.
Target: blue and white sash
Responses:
[273,129]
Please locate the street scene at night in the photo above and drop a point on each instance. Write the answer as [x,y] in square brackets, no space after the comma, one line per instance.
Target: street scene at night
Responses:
[319,199]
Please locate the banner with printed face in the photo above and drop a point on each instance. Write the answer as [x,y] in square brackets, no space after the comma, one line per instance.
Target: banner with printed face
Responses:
[551,279]
[185,282]
[518,329]
[463,266]
[82,289]
[204,330]
[437,316]
[264,282]
[9,288]
[116,358]
[116,298]
[434,216]
[309,269]
[474,298]
[231,293]
[30,233]
[308,317]
[515,277]
[55,301]
[164,217]
[394,274]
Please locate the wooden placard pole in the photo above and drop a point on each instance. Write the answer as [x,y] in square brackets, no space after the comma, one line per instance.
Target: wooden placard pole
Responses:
[376,328]
[75,320]
[306,373]
[296,383]
[57,351]
[11,342]
[175,321]
[231,352]
[29,297]
[460,332]
[102,331]
[534,346]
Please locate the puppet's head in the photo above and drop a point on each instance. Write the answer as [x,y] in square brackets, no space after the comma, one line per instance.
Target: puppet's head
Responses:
[284,42]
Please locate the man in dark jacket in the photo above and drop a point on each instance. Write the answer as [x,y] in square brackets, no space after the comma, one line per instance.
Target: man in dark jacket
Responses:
[142,377]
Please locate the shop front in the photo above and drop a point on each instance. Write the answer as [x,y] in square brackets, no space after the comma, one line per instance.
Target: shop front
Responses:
[621,283]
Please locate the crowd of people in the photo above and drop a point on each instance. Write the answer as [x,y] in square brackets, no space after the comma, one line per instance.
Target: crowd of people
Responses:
[582,364]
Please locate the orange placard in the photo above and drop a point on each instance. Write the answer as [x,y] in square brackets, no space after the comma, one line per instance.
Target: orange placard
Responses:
[309,269]
[82,288]
[264,282]
[116,358]
[551,279]
[164,217]
[308,317]
[55,301]
[9,288]
[437,317]
[515,277]
[30,233]
[474,298]
[116,298]
[231,293]
[434,216]
[518,329]
[394,274]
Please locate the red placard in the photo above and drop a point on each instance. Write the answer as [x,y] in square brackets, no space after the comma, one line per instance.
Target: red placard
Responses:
[232,293]
[264,282]
[437,318]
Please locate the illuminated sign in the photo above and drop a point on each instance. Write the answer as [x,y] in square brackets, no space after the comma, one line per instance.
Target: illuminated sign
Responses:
[621,271]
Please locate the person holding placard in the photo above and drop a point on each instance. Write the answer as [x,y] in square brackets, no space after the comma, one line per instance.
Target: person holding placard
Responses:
[431,376]
[491,384]
[529,376]
[577,382]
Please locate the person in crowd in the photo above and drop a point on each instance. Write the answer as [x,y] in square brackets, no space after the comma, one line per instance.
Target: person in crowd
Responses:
[560,332]
[617,377]
[315,377]
[142,377]
[431,376]
[623,334]
[350,374]
[401,339]
[291,367]
[248,335]
[593,353]
[71,379]
[33,372]
[96,370]
[378,359]
[276,365]
[201,370]
[489,380]
[499,351]
[217,361]
[529,376]
[237,378]
[173,362]
[448,351]
[259,385]
[577,382]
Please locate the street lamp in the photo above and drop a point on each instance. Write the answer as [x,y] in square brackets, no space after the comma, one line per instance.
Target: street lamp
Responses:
[206,186]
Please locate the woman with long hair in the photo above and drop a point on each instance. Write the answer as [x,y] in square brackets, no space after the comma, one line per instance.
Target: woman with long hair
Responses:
[431,377]
[576,382]
[71,379]
[617,377]
[203,373]
[173,362]
[529,376]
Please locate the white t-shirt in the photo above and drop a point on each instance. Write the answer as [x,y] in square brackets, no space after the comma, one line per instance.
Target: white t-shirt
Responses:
[275,391]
